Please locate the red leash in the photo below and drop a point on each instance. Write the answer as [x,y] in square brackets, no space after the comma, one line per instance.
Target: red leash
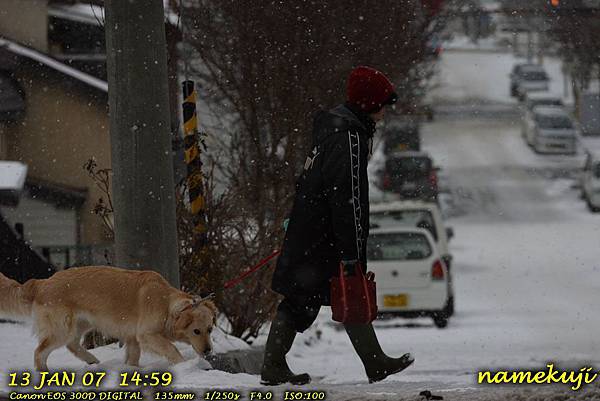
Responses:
[237,280]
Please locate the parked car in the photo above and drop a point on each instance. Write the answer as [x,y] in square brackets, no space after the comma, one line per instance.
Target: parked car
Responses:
[526,78]
[534,99]
[401,135]
[412,279]
[515,76]
[411,175]
[418,214]
[590,180]
[553,131]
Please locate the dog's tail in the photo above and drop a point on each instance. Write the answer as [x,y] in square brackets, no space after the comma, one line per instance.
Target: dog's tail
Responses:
[16,299]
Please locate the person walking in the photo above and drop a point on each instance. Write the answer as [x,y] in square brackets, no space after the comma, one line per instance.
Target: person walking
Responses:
[329,224]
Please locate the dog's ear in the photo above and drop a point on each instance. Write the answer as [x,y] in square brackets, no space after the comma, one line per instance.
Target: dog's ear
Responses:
[213,308]
[180,305]
[183,321]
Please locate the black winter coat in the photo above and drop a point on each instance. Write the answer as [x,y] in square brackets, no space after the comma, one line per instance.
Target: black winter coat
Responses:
[329,221]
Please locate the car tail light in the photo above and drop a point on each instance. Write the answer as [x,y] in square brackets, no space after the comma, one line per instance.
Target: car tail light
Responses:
[437,270]
[433,180]
[387,181]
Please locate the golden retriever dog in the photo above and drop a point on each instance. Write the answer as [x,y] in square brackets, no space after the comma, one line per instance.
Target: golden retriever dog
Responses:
[140,308]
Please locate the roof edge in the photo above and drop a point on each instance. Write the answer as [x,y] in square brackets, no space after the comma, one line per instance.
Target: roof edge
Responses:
[54,64]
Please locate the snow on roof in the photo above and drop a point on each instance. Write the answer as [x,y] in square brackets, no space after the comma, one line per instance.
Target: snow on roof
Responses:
[542,95]
[557,111]
[410,153]
[491,6]
[12,175]
[54,64]
[532,67]
[94,15]
[400,229]
[86,13]
[401,205]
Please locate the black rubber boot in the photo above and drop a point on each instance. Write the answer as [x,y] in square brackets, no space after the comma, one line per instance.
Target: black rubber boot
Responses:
[275,369]
[377,364]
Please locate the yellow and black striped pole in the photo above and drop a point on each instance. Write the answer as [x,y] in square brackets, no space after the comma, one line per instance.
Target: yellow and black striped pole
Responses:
[192,158]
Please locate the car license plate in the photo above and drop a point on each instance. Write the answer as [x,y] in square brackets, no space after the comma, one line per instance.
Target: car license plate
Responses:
[400,300]
[409,186]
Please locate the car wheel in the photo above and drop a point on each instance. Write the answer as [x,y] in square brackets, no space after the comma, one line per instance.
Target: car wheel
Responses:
[593,209]
[440,321]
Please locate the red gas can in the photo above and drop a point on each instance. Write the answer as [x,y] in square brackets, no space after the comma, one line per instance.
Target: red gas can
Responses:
[354,297]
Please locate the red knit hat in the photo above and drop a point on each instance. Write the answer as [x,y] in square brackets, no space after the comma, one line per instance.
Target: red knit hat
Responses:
[369,89]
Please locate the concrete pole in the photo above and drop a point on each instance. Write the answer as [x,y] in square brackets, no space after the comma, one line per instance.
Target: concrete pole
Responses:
[138,95]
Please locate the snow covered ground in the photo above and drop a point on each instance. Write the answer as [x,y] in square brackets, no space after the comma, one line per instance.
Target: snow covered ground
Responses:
[526,271]
[480,76]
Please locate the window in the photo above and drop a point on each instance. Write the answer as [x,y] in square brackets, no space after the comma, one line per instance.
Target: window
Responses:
[553,122]
[12,99]
[597,170]
[407,218]
[544,102]
[420,218]
[398,246]
[534,76]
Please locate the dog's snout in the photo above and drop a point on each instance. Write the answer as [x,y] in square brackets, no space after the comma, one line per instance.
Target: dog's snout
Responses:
[208,350]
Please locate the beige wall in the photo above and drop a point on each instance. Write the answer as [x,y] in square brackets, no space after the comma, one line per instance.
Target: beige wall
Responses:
[65,124]
[26,22]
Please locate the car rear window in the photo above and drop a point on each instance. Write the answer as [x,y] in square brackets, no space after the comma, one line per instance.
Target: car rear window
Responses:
[553,122]
[544,102]
[398,246]
[534,75]
[407,218]
[411,164]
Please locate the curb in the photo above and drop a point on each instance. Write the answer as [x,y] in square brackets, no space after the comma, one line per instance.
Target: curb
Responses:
[241,361]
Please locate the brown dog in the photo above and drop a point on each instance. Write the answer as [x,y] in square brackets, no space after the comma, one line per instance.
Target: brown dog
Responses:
[138,307]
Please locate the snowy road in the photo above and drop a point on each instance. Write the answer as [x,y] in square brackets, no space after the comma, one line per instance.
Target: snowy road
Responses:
[527,270]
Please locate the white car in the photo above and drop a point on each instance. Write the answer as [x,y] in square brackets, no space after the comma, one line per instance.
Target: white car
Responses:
[590,181]
[418,214]
[412,279]
[553,131]
[529,78]
[532,100]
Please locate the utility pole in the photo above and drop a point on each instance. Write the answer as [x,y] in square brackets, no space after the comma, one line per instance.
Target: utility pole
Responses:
[138,95]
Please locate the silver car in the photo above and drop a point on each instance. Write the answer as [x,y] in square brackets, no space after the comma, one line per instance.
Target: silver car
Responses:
[554,130]
[528,78]
[534,99]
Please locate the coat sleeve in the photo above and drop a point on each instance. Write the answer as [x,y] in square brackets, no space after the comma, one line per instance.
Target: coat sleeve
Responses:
[340,172]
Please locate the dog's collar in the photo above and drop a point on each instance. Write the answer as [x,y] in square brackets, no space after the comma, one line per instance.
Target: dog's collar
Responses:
[197,301]
[189,306]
